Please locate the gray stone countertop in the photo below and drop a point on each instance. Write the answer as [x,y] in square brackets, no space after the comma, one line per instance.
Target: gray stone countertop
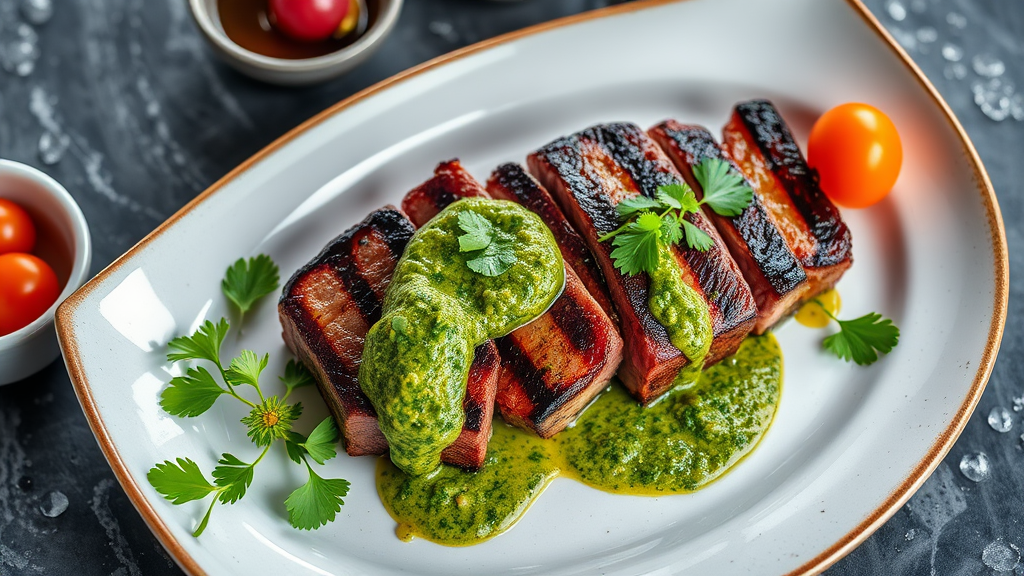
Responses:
[122,102]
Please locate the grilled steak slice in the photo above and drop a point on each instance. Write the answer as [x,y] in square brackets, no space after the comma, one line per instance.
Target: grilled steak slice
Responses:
[590,172]
[451,182]
[512,182]
[328,306]
[770,268]
[554,366]
[763,147]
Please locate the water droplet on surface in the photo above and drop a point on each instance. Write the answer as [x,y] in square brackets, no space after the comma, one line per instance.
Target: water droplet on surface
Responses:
[444,30]
[975,467]
[52,147]
[906,39]
[1018,403]
[19,49]
[999,556]
[1000,419]
[37,12]
[54,504]
[910,534]
[993,97]
[955,71]
[952,52]
[25,483]
[897,11]
[927,34]
[1017,106]
[956,20]
[988,65]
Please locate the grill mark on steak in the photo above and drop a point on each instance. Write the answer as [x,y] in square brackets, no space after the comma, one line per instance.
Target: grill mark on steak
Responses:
[512,182]
[783,158]
[770,268]
[554,366]
[332,346]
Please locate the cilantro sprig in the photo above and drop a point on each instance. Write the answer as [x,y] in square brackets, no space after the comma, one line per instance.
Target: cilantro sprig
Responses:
[650,222]
[861,339]
[492,250]
[270,418]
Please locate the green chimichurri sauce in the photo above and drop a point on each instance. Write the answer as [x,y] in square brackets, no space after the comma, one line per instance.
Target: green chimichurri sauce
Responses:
[683,313]
[681,444]
[436,311]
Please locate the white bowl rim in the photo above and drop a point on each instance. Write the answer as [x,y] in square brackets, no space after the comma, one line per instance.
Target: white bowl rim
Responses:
[377,31]
[82,248]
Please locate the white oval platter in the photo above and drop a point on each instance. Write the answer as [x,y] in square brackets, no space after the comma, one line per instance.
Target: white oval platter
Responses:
[849,445]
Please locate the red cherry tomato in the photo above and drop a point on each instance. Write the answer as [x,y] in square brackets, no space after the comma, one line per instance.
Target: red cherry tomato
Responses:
[17,233]
[28,287]
[857,152]
[308,20]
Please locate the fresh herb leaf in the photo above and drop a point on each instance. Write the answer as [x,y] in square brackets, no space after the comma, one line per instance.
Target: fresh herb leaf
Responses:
[203,345]
[492,251]
[296,376]
[271,420]
[246,369]
[697,238]
[630,206]
[649,223]
[192,394]
[317,502]
[862,338]
[479,232]
[725,190]
[497,258]
[636,249]
[320,443]
[181,482]
[247,281]
[293,442]
[233,477]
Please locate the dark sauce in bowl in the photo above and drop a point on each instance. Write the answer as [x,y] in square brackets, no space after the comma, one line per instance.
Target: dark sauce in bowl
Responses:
[247,23]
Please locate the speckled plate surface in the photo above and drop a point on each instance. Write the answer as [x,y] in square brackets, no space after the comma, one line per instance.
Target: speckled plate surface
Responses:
[849,444]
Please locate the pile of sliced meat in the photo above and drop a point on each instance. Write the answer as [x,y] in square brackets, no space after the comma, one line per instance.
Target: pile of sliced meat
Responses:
[789,245]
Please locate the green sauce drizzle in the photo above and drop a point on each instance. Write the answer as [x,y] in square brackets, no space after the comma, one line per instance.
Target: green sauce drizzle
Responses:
[436,312]
[681,444]
[683,313]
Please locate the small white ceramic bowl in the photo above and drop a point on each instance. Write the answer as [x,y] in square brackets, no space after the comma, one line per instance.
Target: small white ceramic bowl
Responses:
[63,242]
[289,72]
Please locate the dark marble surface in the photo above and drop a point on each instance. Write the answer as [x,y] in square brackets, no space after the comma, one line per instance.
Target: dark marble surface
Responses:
[150,119]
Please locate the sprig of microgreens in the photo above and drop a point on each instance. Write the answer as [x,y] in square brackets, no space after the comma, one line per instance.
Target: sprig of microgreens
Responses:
[650,222]
[861,339]
[492,250]
[270,418]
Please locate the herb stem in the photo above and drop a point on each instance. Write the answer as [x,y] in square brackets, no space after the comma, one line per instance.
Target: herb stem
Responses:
[206,518]
[614,233]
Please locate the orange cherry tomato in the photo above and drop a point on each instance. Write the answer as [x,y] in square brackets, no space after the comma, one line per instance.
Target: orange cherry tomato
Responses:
[857,152]
[17,233]
[28,287]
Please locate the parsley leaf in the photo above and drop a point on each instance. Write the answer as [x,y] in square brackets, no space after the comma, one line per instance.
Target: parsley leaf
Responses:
[246,369]
[650,223]
[181,482]
[247,281]
[493,251]
[295,376]
[725,190]
[636,249]
[630,206]
[320,443]
[479,232]
[317,502]
[233,477]
[192,394]
[862,338]
[697,238]
[203,345]
[271,420]
[293,442]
